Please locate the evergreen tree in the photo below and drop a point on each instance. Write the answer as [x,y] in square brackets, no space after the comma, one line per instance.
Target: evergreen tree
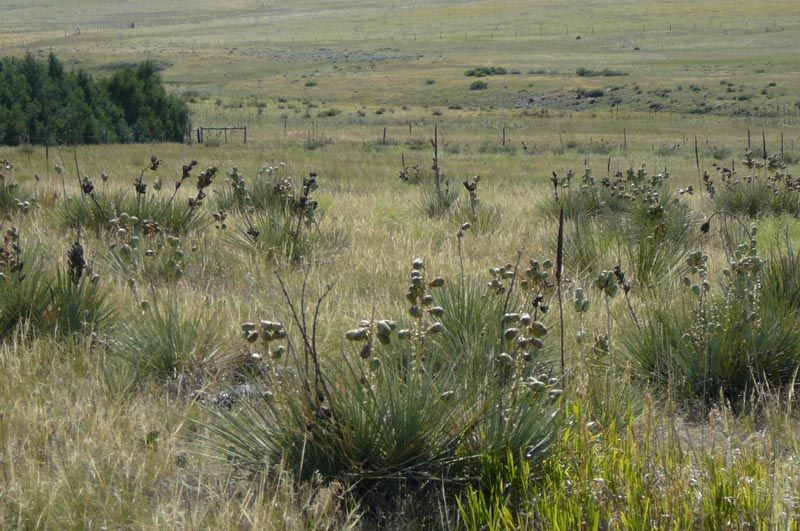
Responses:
[42,103]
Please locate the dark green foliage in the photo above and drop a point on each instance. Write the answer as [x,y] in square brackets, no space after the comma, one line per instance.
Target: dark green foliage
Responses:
[149,111]
[587,72]
[483,71]
[478,85]
[40,103]
[591,93]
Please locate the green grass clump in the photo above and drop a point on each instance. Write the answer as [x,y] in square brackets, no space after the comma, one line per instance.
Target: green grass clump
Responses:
[768,189]
[266,192]
[436,200]
[163,342]
[98,217]
[478,85]
[34,299]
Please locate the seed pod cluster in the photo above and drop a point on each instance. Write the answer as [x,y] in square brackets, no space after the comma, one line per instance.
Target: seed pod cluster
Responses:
[472,189]
[269,332]
[581,302]
[367,331]
[524,333]
[606,283]
[538,276]
[10,252]
[500,275]
[204,180]
[420,297]
[543,384]
[463,229]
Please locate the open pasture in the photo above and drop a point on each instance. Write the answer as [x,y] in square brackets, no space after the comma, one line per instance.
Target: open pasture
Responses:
[454,375]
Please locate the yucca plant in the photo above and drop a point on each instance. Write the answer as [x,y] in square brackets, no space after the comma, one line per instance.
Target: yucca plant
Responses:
[291,232]
[10,200]
[77,307]
[781,276]
[747,199]
[383,417]
[267,192]
[436,200]
[483,218]
[173,216]
[169,339]
[24,293]
[272,236]
[471,316]
[722,344]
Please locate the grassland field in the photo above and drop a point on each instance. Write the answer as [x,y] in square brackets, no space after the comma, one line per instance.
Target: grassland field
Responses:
[351,90]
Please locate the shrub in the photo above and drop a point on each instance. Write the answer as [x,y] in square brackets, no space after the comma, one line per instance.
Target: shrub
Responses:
[478,85]
[587,72]
[494,148]
[316,142]
[483,71]
[416,144]
[590,93]
[329,113]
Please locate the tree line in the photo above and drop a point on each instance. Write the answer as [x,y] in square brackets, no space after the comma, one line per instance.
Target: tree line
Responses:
[42,103]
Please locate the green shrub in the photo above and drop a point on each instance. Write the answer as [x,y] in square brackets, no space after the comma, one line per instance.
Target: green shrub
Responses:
[483,71]
[478,85]
[587,72]
[317,142]
[590,93]
[494,148]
